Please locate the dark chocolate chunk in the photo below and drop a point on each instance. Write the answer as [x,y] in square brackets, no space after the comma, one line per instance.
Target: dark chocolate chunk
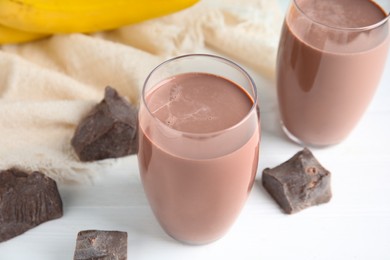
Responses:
[26,200]
[298,183]
[102,245]
[108,131]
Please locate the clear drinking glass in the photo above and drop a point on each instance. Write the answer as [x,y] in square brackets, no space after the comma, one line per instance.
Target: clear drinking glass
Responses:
[330,60]
[197,180]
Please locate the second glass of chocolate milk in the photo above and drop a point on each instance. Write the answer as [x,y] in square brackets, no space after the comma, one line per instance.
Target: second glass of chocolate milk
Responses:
[330,61]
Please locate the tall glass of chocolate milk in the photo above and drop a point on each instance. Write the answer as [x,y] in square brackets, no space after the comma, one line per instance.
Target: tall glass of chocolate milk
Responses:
[199,137]
[330,60]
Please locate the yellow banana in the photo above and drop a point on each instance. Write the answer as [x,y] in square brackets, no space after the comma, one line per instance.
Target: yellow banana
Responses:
[9,35]
[67,16]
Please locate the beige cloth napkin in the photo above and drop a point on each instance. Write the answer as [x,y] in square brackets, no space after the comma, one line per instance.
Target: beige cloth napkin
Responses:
[47,86]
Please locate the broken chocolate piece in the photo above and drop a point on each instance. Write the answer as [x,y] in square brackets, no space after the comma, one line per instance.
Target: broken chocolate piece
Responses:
[26,200]
[298,183]
[108,131]
[103,245]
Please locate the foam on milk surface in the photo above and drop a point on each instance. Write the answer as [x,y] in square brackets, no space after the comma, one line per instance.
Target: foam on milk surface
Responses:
[200,103]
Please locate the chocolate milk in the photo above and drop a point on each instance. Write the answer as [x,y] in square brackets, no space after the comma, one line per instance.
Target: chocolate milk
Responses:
[327,76]
[196,177]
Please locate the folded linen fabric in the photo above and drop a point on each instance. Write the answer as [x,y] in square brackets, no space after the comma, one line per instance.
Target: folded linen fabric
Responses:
[47,86]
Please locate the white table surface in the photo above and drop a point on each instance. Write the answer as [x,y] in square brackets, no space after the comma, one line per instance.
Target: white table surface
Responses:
[355,224]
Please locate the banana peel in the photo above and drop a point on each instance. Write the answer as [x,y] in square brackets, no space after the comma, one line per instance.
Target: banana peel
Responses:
[10,35]
[83,16]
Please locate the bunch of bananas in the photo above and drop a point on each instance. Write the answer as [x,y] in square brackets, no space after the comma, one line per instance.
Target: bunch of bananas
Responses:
[27,20]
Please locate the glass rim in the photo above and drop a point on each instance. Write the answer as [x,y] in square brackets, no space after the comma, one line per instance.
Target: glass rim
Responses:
[351,29]
[215,57]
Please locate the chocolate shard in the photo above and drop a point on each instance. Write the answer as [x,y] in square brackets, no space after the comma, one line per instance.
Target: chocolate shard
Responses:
[108,131]
[26,200]
[298,183]
[102,245]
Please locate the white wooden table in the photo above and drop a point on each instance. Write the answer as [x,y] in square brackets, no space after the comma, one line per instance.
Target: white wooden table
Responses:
[354,225]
